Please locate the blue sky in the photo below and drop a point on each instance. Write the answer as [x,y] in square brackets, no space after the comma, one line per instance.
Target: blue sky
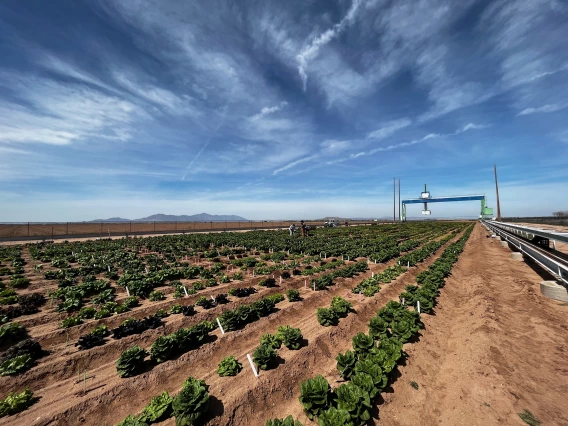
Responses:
[280,109]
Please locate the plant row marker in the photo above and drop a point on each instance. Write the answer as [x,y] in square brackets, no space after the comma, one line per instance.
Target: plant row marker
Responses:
[252,365]
[220,326]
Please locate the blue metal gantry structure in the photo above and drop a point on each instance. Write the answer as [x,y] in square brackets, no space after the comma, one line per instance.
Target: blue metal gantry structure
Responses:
[425,198]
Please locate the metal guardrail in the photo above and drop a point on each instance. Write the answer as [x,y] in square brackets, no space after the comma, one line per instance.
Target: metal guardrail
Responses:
[526,231]
[557,268]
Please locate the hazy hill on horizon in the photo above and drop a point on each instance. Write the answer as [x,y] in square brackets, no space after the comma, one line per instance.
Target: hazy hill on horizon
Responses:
[161,217]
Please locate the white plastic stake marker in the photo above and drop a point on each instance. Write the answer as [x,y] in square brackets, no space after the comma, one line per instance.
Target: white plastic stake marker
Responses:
[127,292]
[372,275]
[403,301]
[314,286]
[408,265]
[212,298]
[280,279]
[220,326]
[305,283]
[252,365]
[185,291]
[109,268]
[418,305]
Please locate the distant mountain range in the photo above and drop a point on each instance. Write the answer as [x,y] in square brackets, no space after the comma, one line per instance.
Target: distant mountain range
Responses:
[160,217]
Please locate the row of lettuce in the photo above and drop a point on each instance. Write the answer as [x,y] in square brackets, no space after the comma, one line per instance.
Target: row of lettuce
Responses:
[369,367]
[170,346]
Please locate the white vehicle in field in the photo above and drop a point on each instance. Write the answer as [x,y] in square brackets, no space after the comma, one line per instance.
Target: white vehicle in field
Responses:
[331,223]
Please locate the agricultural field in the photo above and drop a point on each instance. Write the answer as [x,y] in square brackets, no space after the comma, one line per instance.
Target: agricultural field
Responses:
[159,330]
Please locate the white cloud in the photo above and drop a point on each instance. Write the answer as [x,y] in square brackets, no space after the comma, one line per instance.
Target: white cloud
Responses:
[295,163]
[62,113]
[472,126]
[544,108]
[389,128]
[311,51]
[333,146]
[269,110]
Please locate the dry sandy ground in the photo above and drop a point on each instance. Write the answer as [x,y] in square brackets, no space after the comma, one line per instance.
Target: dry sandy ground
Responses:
[495,347]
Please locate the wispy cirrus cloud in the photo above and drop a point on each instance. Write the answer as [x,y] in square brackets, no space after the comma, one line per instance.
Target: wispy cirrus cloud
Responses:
[309,52]
[207,92]
[269,110]
[58,114]
[543,109]
[389,128]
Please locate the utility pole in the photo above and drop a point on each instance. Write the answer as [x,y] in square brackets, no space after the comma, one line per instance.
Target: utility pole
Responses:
[497,191]
[399,202]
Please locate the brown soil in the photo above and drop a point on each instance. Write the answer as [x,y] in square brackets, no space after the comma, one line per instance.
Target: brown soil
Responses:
[484,345]
[495,347]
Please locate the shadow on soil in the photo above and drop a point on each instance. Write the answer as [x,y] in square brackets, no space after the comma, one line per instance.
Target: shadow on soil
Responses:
[216,409]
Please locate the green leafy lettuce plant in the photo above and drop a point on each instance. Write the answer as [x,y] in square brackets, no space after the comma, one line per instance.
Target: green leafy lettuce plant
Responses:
[373,370]
[346,364]
[272,340]
[288,421]
[191,403]
[341,306]
[70,322]
[14,403]
[263,356]
[163,348]
[12,332]
[327,317]
[362,343]
[229,366]
[379,328]
[355,401]
[16,364]
[316,396]
[131,361]
[291,337]
[130,420]
[160,408]
[335,417]
[293,295]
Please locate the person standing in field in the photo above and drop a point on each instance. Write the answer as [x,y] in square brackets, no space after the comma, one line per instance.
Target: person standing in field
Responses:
[292,228]
[303,225]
